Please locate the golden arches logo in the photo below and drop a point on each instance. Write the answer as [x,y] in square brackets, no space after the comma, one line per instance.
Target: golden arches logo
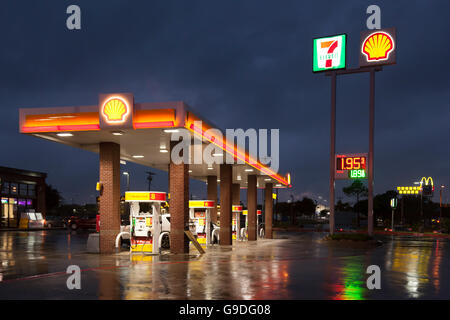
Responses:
[377,46]
[115,110]
[426,181]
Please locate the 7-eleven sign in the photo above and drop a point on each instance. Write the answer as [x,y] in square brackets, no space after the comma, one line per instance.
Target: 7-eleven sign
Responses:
[329,53]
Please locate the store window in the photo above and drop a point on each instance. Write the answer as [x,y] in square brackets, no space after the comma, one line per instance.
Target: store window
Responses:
[23,189]
[4,210]
[5,187]
[13,188]
[12,213]
[31,190]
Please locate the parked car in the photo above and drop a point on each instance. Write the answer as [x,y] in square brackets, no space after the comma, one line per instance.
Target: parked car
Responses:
[85,222]
[54,222]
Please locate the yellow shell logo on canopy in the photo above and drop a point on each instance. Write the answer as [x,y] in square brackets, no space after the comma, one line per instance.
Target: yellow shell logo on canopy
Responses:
[115,110]
[378,46]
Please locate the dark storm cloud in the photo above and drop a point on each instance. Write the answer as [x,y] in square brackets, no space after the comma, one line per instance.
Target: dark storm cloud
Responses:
[240,64]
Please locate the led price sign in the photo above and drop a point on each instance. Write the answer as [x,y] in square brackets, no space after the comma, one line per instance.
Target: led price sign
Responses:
[357,174]
[351,163]
[351,166]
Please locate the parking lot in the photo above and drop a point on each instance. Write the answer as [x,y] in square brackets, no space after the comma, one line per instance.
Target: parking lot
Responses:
[293,266]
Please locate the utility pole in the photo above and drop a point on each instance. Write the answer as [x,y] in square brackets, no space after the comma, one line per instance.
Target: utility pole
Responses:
[403,211]
[276,206]
[440,209]
[150,178]
[421,212]
[392,220]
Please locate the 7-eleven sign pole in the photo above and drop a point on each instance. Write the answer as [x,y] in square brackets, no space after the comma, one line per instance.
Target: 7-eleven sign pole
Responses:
[333,74]
[332,149]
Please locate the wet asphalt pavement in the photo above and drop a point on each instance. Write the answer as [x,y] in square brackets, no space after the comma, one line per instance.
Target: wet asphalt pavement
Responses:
[293,266]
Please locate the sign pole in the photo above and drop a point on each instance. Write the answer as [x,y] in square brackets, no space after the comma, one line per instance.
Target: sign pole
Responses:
[392,220]
[332,149]
[403,213]
[421,212]
[393,206]
[371,142]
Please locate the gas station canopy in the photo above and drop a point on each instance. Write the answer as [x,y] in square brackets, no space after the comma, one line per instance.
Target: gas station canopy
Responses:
[143,131]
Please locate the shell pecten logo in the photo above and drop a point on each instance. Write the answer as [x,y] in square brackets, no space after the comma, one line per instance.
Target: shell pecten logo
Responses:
[115,110]
[377,46]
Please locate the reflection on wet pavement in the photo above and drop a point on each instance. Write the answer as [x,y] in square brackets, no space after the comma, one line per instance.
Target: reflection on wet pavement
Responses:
[299,266]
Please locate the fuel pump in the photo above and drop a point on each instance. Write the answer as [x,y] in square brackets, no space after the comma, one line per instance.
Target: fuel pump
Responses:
[145,227]
[200,220]
[259,223]
[236,221]
[244,231]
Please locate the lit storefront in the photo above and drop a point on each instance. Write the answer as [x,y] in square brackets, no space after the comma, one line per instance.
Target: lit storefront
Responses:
[20,190]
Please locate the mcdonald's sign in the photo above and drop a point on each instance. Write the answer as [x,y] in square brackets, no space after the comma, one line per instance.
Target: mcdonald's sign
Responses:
[427,181]
[427,186]
[408,190]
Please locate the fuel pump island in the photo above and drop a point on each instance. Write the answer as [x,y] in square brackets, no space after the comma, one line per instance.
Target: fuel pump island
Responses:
[236,222]
[145,227]
[148,225]
[200,221]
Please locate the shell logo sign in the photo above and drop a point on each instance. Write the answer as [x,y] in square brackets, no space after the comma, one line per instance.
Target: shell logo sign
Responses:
[115,110]
[378,46]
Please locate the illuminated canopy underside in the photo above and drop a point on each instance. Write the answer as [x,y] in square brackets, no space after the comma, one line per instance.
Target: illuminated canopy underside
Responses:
[146,138]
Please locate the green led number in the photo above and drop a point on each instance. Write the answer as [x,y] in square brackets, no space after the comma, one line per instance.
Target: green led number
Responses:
[357,174]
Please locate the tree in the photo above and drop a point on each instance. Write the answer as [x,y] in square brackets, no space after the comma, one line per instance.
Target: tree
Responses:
[356,189]
[324,212]
[306,206]
[52,198]
[342,206]
[382,206]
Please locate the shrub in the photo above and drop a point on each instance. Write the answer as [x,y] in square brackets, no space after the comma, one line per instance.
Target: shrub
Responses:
[445,223]
[350,236]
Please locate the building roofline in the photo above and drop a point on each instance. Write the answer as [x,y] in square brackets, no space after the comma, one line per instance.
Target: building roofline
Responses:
[22,172]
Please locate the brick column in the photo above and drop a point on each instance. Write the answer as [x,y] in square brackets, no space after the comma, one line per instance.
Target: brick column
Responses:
[268,211]
[110,195]
[226,180]
[178,205]
[251,205]
[212,195]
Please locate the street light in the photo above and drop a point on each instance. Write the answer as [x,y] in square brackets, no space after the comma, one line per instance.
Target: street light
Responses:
[128,180]
[440,207]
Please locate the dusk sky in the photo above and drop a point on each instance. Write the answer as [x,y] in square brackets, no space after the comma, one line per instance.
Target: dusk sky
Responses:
[239,64]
